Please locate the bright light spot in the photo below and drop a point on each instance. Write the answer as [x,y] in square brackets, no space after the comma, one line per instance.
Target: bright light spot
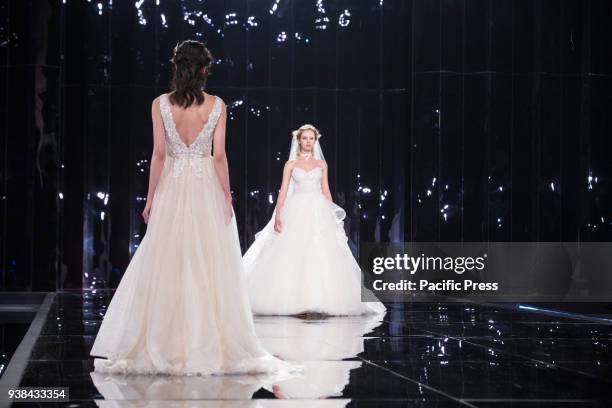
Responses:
[251,21]
[321,23]
[320,7]
[141,19]
[274,6]
[230,19]
[344,19]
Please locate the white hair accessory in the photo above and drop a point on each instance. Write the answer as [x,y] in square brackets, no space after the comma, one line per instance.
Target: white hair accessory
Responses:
[307,126]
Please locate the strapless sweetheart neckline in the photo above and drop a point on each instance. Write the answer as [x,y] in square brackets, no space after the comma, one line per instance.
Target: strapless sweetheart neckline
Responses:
[307,171]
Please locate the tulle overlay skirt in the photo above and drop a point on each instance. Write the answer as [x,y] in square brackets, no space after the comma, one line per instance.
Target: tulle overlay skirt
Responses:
[308,266]
[181,307]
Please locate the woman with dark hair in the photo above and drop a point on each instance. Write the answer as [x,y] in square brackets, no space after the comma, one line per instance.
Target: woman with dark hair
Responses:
[182,307]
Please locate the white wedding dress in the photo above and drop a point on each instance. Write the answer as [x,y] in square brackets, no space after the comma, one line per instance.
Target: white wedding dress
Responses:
[308,266]
[182,307]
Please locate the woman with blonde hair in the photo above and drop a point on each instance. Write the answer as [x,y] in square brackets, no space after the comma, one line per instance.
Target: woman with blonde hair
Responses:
[300,261]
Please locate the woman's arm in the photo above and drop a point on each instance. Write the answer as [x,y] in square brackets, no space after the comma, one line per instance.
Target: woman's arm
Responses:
[157,157]
[282,195]
[325,183]
[220,161]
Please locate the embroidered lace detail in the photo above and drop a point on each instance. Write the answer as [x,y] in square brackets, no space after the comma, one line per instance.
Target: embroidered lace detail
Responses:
[180,162]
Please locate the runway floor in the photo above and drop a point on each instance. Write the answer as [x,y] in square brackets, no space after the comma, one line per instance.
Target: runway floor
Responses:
[420,354]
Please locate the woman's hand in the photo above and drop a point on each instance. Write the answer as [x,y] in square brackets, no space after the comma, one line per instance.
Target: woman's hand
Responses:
[146,212]
[278,226]
[229,210]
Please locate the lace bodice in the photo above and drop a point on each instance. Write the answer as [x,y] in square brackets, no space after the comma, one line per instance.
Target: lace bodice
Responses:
[202,145]
[307,181]
[192,155]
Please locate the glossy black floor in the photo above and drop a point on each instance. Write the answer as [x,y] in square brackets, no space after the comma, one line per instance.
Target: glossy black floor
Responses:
[11,335]
[421,354]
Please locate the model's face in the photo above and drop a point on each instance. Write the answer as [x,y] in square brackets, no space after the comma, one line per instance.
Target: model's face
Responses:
[307,140]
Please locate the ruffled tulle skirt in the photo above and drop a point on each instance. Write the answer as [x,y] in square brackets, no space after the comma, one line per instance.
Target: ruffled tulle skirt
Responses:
[308,266]
[182,307]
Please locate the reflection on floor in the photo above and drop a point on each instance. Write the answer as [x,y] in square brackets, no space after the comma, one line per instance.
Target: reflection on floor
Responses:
[420,354]
[11,335]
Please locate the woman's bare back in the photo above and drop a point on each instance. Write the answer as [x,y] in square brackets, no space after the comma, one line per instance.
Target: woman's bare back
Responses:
[190,122]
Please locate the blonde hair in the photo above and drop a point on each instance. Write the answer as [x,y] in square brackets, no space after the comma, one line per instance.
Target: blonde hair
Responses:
[298,132]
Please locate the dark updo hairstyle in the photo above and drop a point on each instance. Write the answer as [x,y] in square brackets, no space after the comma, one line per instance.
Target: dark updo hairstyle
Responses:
[192,64]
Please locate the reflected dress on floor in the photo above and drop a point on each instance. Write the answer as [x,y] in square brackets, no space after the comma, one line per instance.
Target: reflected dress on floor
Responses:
[182,307]
[308,266]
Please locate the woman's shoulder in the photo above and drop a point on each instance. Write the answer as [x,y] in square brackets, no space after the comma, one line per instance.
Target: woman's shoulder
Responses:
[290,164]
[158,100]
[156,104]
[209,95]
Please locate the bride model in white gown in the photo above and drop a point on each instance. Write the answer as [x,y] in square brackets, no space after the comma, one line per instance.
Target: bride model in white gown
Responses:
[300,261]
[182,307]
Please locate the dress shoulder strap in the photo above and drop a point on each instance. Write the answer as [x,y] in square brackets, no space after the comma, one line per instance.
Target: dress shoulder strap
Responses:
[216,112]
[165,111]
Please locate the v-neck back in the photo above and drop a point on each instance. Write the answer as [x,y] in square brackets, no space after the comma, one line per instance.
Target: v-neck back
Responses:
[202,144]
[201,129]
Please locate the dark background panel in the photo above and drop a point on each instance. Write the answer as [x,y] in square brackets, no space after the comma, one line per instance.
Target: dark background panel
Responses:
[550,158]
[426,35]
[451,158]
[477,181]
[393,173]
[259,183]
[506,102]
[525,153]
[425,158]
[237,147]
[500,152]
